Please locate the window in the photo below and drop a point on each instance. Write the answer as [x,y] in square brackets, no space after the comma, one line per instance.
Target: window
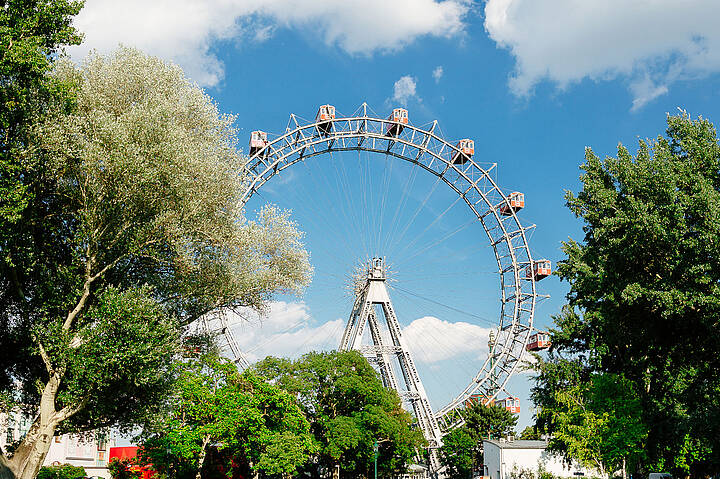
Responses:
[10,434]
[57,439]
[101,458]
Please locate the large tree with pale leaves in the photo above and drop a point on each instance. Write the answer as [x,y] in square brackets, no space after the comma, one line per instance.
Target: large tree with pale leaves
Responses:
[134,228]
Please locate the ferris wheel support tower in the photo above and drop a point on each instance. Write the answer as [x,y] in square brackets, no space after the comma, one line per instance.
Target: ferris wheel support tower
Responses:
[388,348]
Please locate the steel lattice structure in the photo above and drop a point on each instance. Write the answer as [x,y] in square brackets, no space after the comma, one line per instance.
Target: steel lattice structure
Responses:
[471,181]
[372,293]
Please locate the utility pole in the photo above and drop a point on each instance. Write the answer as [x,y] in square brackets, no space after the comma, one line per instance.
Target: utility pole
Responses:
[375,449]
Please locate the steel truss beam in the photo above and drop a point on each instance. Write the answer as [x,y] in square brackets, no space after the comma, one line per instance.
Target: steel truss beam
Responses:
[372,293]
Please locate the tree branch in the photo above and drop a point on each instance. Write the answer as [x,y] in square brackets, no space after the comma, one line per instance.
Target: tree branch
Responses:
[46,359]
[85,294]
[68,411]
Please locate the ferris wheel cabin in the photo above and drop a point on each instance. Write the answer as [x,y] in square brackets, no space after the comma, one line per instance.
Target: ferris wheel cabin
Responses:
[324,118]
[510,403]
[258,141]
[398,119]
[538,270]
[538,342]
[515,202]
[466,149]
[477,399]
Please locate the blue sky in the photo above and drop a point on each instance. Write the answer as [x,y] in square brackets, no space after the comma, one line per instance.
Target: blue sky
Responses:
[533,83]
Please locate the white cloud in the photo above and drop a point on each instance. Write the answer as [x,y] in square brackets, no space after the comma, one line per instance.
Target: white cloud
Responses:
[437,73]
[404,89]
[644,91]
[432,340]
[650,44]
[288,330]
[185,30]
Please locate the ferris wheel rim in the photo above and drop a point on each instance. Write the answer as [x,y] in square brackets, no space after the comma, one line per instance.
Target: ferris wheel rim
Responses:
[281,153]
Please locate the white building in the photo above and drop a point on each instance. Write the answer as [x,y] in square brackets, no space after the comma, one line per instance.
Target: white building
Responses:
[86,451]
[508,459]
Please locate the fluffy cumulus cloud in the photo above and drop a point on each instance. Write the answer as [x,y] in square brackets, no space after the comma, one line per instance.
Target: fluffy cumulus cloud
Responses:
[649,44]
[288,330]
[437,74]
[185,30]
[404,89]
[432,340]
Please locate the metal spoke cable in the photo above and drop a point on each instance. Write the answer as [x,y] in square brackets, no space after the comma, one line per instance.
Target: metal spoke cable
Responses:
[411,243]
[452,308]
[422,311]
[387,179]
[438,242]
[324,218]
[418,210]
[443,347]
[441,275]
[345,188]
[401,204]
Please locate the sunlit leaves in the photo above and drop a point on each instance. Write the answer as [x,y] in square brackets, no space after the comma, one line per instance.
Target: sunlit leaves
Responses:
[644,300]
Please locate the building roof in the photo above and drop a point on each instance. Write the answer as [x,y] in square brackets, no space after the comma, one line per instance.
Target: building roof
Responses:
[517,444]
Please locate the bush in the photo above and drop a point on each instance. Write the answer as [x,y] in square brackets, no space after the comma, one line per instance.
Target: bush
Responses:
[120,469]
[63,471]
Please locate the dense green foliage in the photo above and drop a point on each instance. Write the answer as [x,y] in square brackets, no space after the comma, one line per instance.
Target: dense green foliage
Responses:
[643,314]
[530,433]
[221,420]
[31,34]
[597,422]
[63,471]
[461,449]
[122,469]
[123,225]
[349,409]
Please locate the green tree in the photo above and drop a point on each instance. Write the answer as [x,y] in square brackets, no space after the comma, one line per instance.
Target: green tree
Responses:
[238,418]
[135,230]
[644,297]
[32,32]
[530,433]
[598,423]
[122,469]
[349,409]
[460,451]
[63,471]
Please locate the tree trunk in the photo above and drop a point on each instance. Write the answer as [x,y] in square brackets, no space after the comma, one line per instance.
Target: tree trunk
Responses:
[201,459]
[624,469]
[254,472]
[30,454]
[5,471]
[27,464]
[336,471]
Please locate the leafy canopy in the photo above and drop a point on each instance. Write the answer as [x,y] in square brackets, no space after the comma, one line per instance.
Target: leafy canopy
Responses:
[31,34]
[123,469]
[241,420]
[63,471]
[461,448]
[349,409]
[644,300]
[130,227]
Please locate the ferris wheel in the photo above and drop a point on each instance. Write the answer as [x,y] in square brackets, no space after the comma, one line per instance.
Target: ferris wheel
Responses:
[454,164]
